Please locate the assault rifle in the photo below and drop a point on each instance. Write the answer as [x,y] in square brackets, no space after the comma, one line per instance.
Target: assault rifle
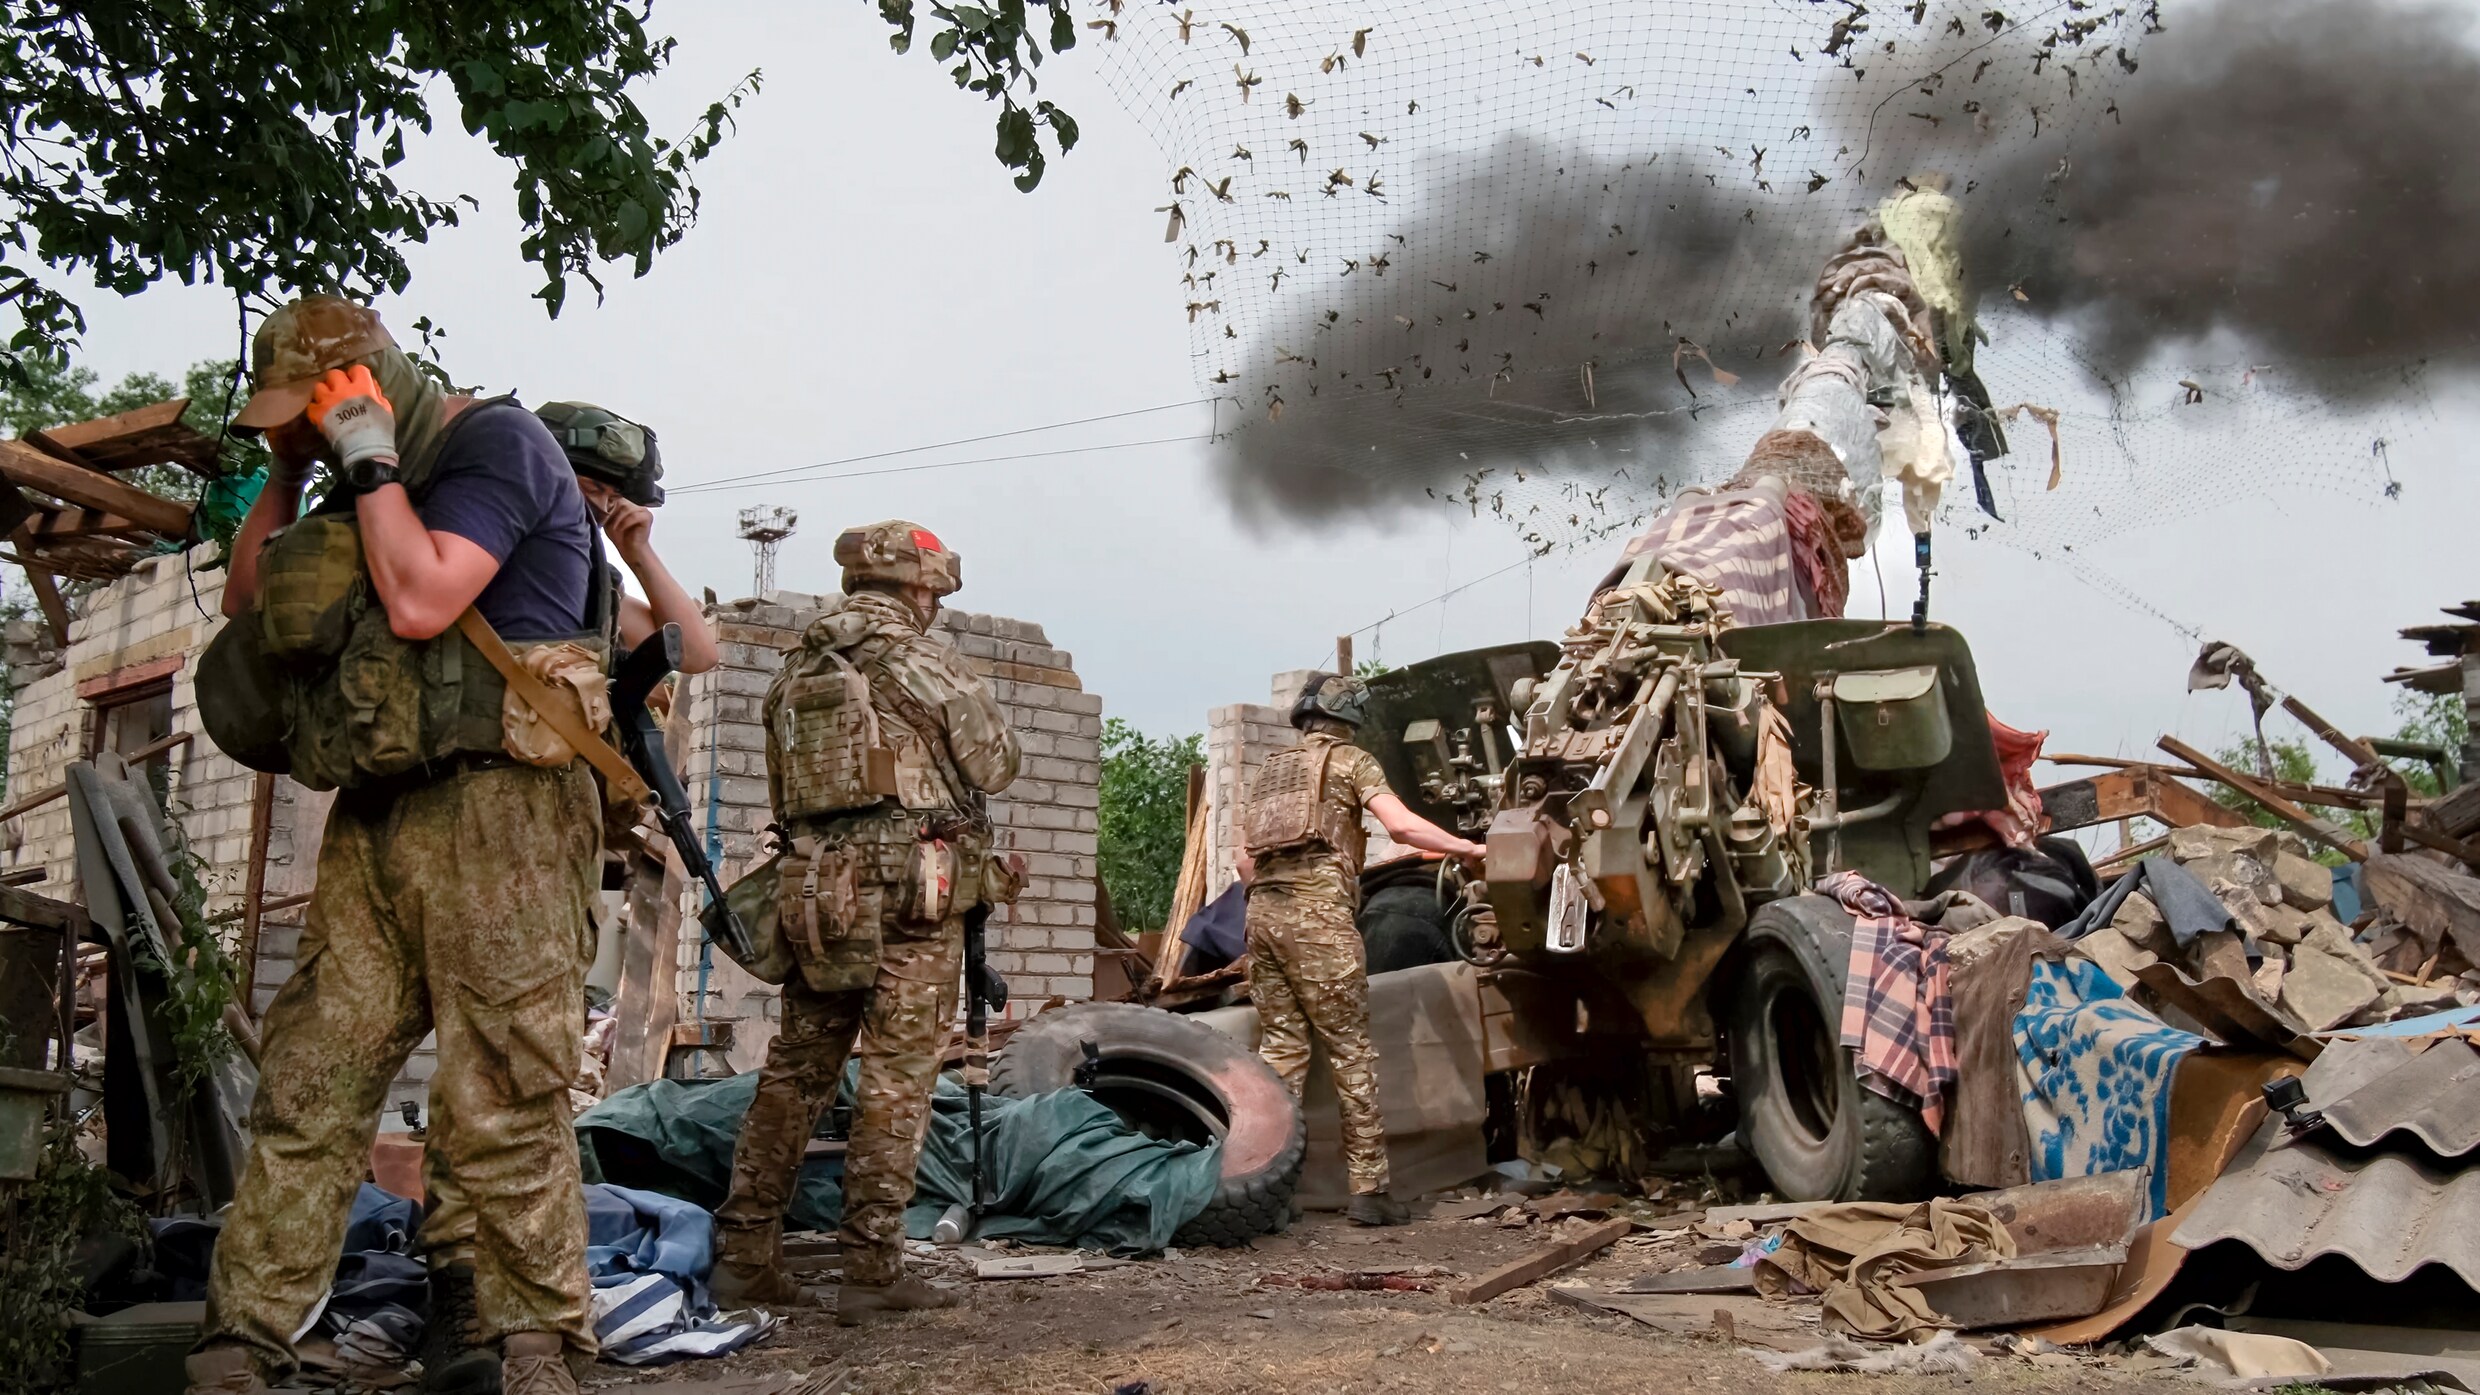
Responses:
[984,992]
[641,740]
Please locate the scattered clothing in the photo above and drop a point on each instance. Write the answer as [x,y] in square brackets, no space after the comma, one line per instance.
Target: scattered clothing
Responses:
[648,1320]
[1898,1015]
[1854,1254]
[2186,904]
[631,1232]
[2096,1071]
[1989,970]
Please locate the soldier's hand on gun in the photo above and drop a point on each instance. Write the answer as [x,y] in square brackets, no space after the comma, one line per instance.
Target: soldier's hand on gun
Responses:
[354,415]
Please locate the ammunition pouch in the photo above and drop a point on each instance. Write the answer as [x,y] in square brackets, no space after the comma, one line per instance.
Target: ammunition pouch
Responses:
[312,587]
[754,899]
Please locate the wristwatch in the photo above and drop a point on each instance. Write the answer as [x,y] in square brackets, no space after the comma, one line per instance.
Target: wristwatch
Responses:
[368,473]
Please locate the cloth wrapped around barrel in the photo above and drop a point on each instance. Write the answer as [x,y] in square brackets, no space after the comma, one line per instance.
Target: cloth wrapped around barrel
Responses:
[1062,1169]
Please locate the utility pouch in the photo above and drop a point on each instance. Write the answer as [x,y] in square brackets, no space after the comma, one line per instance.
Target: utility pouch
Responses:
[573,675]
[930,883]
[755,899]
[827,734]
[309,578]
[818,900]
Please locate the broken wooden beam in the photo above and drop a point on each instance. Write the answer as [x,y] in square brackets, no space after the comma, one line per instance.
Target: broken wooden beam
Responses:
[29,468]
[2133,791]
[1541,1264]
[2298,818]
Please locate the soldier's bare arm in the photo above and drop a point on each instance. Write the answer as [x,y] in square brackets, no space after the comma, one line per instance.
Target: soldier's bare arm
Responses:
[631,530]
[1413,831]
[424,579]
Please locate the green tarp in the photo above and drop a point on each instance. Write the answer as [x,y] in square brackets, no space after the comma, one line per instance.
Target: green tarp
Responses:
[1064,1169]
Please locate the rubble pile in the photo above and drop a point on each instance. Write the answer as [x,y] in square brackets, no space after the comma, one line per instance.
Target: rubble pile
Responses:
[2283,944]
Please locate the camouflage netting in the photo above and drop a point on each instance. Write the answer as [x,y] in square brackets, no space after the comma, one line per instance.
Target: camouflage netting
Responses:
[1549,259]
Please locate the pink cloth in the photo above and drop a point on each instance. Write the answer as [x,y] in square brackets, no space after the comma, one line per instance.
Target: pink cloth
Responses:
[1898,1010]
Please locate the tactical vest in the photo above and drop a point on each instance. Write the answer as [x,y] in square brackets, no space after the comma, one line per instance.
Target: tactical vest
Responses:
[358,705]
[1289,811]
[835,752]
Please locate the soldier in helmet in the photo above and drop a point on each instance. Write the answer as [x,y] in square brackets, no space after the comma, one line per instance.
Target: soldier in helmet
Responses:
[882,746]
[456,867]
[1308,973]
[618,468]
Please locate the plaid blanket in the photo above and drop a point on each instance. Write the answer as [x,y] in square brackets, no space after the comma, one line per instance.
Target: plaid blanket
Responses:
[1898,1017]
[1738,542]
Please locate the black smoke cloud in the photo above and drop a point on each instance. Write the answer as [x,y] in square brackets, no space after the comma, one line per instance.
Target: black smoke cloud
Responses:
[2293,174]
[2298,174]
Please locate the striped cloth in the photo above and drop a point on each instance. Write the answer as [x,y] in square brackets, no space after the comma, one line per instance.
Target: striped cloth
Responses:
[1898,1015]
[1738,542]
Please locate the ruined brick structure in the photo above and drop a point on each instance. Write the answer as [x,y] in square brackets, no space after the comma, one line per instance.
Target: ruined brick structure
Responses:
[127,678]
[1045,944]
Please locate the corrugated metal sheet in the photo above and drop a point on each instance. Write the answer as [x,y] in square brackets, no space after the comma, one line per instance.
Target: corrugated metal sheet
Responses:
[2293,1200]
[2433,1098]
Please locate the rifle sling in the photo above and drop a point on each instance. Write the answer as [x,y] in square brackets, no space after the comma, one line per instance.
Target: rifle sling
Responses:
[623,777]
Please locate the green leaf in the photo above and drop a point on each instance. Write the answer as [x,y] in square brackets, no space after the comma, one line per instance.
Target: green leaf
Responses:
[943,44]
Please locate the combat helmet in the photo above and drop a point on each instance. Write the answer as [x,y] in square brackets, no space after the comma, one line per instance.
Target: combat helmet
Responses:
[296,346]
[906,554]
[1334,697]
[604,445]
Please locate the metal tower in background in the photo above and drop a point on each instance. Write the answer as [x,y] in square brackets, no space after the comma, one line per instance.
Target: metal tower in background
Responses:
[763,527]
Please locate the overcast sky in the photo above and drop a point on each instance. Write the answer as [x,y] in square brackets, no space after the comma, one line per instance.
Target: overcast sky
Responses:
[865,280]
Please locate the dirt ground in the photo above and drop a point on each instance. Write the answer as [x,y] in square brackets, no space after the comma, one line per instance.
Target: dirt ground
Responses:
[1202,1323]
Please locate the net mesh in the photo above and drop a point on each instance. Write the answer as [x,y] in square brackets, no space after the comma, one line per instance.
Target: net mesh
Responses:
[1547,262]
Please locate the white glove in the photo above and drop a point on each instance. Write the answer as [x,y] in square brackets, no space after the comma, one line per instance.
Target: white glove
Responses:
[354,416]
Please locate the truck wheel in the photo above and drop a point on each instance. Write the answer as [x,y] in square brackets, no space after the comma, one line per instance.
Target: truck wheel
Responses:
[1402,927]
[1169,1077]
[1802,1111]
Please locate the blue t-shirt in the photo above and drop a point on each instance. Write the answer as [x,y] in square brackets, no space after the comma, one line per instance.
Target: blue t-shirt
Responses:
[503,484]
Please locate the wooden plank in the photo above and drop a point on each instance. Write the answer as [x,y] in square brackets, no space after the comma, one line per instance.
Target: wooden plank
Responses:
[47,599]
[26,908]
[49,524]
[1542,1263]
[646,1001]
[2133,791]
[137,757]
[68,441]
[254,884]
[2300,819]
[1717,1278]
[29,468]
[2455,815]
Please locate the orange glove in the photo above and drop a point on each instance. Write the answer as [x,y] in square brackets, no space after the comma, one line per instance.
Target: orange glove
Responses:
[354,415]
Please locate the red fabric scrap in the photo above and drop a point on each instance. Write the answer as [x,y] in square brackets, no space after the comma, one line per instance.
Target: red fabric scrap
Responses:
[1817,554]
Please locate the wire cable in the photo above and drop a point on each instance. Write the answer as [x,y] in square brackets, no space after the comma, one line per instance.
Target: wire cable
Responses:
[792,472]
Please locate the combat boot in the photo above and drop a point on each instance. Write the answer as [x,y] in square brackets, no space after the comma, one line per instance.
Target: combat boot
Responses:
[1376,1208]
[856,1304]
[536,1363]
[455,1359]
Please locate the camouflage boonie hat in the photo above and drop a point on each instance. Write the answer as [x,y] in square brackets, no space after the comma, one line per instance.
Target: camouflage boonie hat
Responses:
[1333,696]
[296,345]
[904,553]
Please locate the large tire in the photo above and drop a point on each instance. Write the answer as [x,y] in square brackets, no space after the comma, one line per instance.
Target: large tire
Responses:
[1173,1078]
[1402,927]
[1803,1114]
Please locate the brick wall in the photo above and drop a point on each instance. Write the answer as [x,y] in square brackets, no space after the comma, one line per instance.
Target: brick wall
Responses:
[161,614]
[1045,943]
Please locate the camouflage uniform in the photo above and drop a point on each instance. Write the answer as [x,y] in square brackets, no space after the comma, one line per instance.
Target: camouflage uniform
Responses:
[1309,972]
[948,730]
[428,916]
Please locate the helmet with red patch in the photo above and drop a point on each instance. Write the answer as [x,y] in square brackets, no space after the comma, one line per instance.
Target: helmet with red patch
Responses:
[906,554]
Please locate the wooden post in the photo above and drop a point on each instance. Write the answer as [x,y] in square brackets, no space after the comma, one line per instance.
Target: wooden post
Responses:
[47,599]
[254,886]
[1343,655]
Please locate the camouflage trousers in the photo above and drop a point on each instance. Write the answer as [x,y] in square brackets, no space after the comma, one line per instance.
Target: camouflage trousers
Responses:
[896,1027]
[458,907]
[1308,972]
